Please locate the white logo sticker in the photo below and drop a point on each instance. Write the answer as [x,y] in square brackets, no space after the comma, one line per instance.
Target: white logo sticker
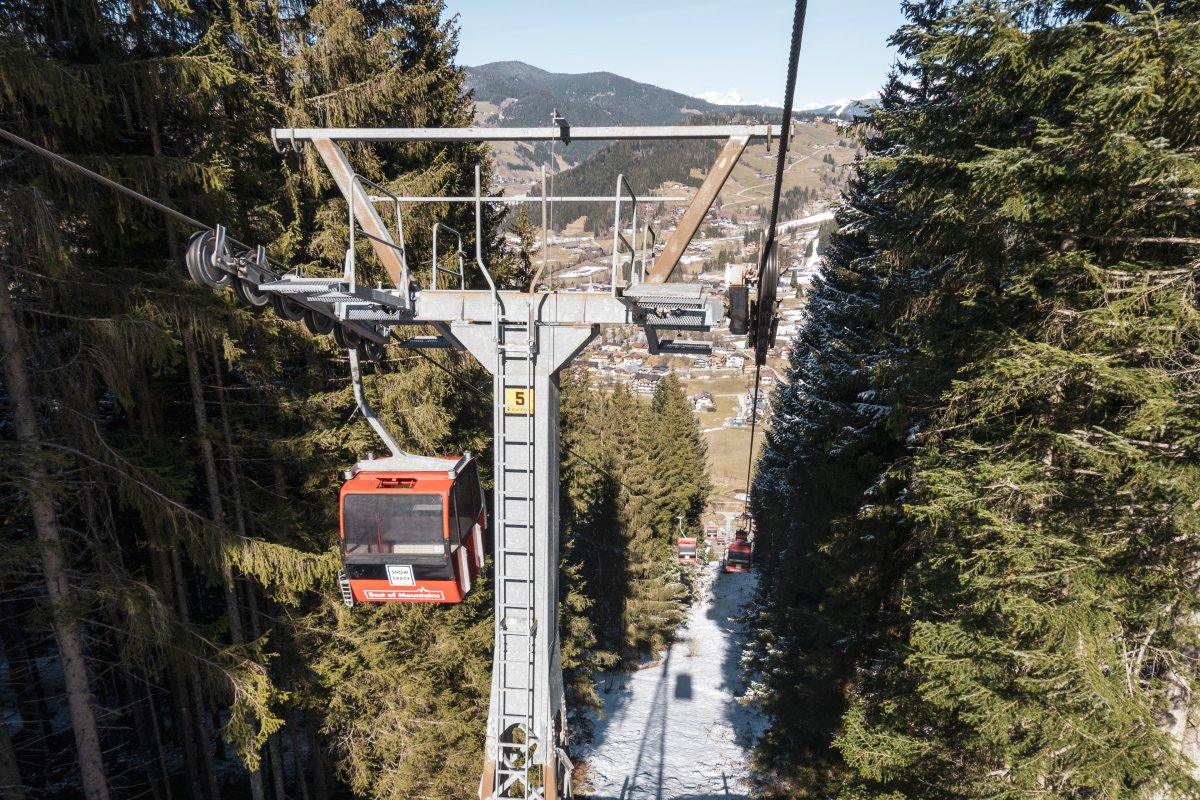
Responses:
[400,575]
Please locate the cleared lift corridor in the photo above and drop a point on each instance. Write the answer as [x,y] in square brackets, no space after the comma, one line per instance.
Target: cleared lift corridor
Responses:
[675,731]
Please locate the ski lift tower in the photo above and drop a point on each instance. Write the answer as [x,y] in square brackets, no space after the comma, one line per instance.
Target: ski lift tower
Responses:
[523,338]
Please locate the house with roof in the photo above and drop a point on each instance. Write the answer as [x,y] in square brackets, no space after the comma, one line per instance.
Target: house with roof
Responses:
[645,383]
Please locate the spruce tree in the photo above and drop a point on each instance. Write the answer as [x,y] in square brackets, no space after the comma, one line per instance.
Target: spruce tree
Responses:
[592,558]
[1022,538]
[95,301]
[1050,610]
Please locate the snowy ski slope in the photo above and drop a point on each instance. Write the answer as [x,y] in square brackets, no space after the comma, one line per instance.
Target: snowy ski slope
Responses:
[674,731]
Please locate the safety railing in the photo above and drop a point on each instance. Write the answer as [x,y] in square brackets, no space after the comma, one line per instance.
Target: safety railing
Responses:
[497,310]
[349,270]
[437,264]
[399,244]
[620,243]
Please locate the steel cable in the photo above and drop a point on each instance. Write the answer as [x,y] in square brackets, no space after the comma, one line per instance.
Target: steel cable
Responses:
[110,183]
[780,164]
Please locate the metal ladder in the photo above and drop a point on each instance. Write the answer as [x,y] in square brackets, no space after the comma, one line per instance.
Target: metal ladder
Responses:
[344,587]
[516,619]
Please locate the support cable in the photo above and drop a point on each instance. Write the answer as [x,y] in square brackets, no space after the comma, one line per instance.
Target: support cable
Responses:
[62,161]
[785,132]
[109,182]
[12,137]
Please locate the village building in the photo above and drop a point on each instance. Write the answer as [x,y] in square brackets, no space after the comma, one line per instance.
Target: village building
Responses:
[645,383]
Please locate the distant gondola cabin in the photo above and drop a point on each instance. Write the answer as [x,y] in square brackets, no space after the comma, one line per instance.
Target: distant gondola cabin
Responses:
[687,548]
[412,530]
[738,556]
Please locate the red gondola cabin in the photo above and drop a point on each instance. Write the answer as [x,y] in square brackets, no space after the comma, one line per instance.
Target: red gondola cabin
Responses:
[412,530]
[737,556]
[687,549]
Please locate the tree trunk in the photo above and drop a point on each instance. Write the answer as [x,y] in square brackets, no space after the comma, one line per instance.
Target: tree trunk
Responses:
[216,504]
[235,484]
[143,724]
[297,761]
[319,779]
[195,697]
[54,569]
[205,740]
[184,724]
[160,758]
[157,150]
[11,786]
[247,587]
[275,755]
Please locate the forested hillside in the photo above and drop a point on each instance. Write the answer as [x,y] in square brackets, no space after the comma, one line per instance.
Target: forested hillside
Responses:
[515,94]
[976,510]
[643,164]
[588,99]
[171,625]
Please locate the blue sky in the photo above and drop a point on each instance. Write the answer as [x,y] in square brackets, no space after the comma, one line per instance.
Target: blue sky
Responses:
[691,46]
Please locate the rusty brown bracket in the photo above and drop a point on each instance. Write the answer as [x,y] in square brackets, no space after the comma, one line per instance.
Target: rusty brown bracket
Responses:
[364,211]
[666,262]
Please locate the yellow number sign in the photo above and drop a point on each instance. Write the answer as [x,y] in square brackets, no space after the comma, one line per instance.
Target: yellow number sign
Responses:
[518,401]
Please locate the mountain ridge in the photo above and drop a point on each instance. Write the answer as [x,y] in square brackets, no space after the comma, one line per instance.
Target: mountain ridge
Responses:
[521,95]
[526,95]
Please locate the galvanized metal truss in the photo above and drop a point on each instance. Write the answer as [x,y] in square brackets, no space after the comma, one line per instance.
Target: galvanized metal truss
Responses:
[524,338]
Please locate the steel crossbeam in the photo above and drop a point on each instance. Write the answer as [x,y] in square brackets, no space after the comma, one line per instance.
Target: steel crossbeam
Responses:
[283,136]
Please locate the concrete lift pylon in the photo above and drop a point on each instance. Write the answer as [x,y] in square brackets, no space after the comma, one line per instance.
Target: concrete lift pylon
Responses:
[523,339]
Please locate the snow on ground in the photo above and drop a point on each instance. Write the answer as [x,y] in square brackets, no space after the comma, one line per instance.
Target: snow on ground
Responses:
[813,219]
[673,731]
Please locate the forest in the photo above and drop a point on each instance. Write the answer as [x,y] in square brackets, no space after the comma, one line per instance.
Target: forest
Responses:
[976,508]
[642,164]
[977,534]
[171,622]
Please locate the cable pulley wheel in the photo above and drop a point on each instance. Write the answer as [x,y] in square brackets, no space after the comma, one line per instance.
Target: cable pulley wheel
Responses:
[245,291]
[199,260]
[286,307]
[764,311]
[189,259]
[317,323]
[248,296]
[372,351]
[346,338]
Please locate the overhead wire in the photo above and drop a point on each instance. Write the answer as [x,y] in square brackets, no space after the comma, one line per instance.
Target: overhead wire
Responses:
[109,182]
[780,166]
[116,187]
[65,162]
